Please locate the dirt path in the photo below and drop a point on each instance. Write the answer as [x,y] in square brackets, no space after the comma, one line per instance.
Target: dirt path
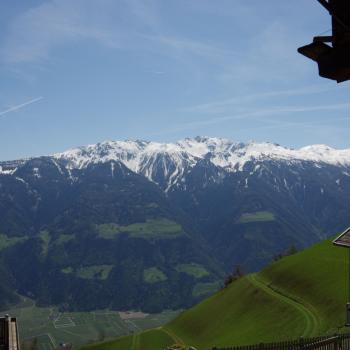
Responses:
[312,320]
[135,341]
[135,345]
[173,336]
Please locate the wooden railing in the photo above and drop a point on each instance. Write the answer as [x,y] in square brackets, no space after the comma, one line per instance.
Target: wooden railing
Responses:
[335,342]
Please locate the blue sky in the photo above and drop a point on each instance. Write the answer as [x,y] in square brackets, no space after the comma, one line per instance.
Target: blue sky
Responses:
[75,72]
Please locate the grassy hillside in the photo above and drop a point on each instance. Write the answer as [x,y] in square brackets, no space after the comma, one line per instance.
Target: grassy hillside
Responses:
[300,295]
[151,339]
[318,277]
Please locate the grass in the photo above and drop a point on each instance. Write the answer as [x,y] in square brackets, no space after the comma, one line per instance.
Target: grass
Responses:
[67,270]
[258,216]
[238,315]
[151,339]
[45,238]
[64,238]
[6,241]
[151,228]
[205,288]
[121,343]
[50,327]
[100,272]
[108,231]
[153,275]
[318,276]
[193,269]
[154,339]
[300,295]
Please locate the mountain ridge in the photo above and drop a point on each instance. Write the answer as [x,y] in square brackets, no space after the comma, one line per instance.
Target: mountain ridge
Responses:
[176,209]
[201,147]
[173,159]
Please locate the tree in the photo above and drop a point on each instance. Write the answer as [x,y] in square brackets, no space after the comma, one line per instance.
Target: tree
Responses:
[235,275]
[290,251]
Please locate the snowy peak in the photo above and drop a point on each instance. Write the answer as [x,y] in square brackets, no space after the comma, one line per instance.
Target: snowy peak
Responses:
[149,158]
[167,163]
[314,153]
[200,146]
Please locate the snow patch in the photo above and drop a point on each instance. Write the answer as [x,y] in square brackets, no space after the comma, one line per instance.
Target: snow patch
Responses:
[170,161]
[57,166]
[36,173]
[112,169]
[7,171]
[221,152]
[20,180]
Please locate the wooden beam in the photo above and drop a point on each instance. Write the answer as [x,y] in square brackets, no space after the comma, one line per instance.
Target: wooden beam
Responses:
[326,4]
[323,39]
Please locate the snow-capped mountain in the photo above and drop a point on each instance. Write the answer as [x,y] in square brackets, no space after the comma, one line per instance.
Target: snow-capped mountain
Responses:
[124,208]
[166,163]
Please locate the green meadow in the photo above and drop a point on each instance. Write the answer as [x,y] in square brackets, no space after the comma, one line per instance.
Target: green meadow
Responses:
[302,295]
[256,217]
[151,228]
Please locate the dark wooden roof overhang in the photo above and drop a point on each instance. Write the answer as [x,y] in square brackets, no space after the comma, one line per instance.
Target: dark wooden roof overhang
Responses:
[343,240]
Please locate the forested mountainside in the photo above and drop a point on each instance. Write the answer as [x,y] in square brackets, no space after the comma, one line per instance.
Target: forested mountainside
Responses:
[136,224]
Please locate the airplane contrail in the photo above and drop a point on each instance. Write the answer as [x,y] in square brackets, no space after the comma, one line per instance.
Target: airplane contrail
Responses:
[15,108]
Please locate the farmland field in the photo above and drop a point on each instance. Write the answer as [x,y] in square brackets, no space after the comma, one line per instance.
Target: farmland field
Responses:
[154,228]
[49,327]
[259,216]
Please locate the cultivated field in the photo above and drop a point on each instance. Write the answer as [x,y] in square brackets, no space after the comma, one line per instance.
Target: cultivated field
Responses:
[49,327]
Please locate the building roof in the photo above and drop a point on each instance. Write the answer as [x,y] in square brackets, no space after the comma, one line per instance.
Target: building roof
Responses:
[344,239]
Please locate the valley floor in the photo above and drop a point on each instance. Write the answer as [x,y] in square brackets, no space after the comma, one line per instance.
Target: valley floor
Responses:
[48,326]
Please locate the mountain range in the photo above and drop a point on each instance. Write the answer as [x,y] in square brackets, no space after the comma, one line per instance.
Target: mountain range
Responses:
[146,225]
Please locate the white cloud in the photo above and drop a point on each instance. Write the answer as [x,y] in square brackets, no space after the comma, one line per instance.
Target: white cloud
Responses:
[126,24]
[222,106]
[262,115]
[191,46]
[264,50]
[34,34]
